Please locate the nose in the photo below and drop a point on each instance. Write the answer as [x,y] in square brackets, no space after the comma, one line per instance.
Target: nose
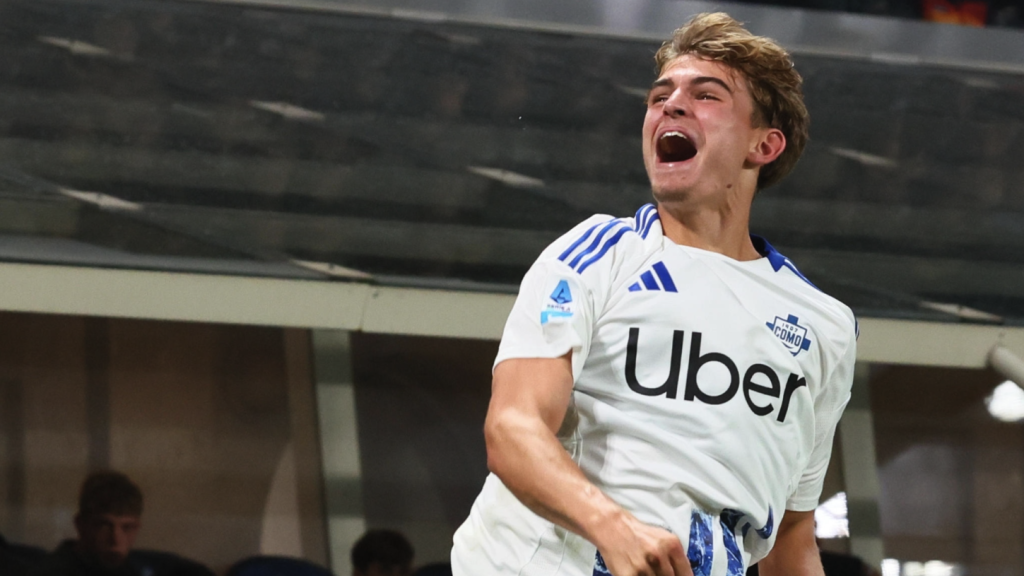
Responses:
[118,541]
[676,105]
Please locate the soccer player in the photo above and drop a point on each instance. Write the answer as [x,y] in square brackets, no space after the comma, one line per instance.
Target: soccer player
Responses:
[667,387]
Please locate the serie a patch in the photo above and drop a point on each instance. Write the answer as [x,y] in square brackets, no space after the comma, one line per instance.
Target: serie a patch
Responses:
[559,306]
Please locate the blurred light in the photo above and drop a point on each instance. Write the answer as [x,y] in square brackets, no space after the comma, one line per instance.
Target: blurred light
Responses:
[289,111]
[864,157]
[76,47]
[830,520]
[965,312]
[937,568]
[1006,403]
[892,567]
[980,82]
[509,177]
[104,201]
[634,91]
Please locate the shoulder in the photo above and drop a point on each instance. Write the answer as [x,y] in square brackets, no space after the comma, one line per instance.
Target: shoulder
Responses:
[602,240]
[834,316]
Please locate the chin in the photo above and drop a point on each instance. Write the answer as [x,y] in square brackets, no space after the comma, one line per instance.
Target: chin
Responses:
[111,562]
[669,192]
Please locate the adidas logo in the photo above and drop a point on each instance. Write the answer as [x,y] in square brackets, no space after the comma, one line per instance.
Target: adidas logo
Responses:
[649,280]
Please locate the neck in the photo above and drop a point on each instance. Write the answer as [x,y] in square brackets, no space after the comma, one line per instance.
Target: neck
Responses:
[722,227]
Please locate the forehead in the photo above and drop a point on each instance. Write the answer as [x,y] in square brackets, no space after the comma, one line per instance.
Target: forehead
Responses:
[119,519]
[687,66]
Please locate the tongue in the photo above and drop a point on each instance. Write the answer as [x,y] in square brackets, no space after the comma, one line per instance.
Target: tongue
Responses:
[675,149]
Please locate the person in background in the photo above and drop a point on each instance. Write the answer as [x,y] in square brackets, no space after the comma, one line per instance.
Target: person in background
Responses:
[107,523]
[382,553]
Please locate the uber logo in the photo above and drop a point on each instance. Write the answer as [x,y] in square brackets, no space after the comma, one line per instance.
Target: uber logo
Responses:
[756,393]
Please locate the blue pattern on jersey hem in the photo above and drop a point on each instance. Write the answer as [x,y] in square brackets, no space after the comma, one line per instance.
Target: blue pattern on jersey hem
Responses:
[599,567]
[729,520]
[701,551]
[769,526]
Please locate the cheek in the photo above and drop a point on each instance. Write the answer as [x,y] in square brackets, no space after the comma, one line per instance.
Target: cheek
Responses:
[650,120]
[101,536]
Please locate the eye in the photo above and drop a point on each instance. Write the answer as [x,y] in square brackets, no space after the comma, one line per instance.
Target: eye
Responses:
[706,96]
[656,99]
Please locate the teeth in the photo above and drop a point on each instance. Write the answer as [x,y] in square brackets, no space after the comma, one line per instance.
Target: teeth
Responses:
[673,133]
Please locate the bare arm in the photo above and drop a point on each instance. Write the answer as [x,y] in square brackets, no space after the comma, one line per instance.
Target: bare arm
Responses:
[795,552]
[529,399]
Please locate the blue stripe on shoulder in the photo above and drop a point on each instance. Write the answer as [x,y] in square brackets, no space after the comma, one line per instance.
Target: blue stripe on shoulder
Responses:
[641,217]
[790,265]
[579,241]
[604,236]
[645,216]
[650,222]
[596,243]
[777,260]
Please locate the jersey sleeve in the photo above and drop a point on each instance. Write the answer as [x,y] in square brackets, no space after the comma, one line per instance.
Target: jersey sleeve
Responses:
[828,408]
[561,295]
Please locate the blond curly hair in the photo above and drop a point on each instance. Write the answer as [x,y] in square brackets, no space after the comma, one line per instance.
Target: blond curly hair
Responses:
[771,77]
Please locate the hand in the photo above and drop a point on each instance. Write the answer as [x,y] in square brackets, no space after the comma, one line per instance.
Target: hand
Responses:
[632,548]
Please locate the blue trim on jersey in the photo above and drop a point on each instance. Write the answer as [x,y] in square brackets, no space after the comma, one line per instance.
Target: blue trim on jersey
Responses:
[765,531]
[650,278]
[649,281]
[777,260]
[644,219]
[650,222]
[607,246]
[595,242]
[579,241]
[599,244]
[663,275]
[642,216]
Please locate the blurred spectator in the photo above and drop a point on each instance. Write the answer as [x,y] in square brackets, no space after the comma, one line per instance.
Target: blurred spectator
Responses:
[382,553]
[108,521]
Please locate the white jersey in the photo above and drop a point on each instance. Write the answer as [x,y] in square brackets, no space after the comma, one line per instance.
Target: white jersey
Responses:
[706,395]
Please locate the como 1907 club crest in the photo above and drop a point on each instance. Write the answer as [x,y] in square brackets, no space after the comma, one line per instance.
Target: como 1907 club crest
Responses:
[791,333]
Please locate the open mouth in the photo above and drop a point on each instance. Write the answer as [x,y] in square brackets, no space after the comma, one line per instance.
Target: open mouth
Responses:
[674,146]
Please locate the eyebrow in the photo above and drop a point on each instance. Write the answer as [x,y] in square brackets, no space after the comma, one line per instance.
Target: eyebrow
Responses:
[695,82]
[706,79]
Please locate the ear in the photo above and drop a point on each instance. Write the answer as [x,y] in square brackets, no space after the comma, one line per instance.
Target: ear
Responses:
[768,147]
